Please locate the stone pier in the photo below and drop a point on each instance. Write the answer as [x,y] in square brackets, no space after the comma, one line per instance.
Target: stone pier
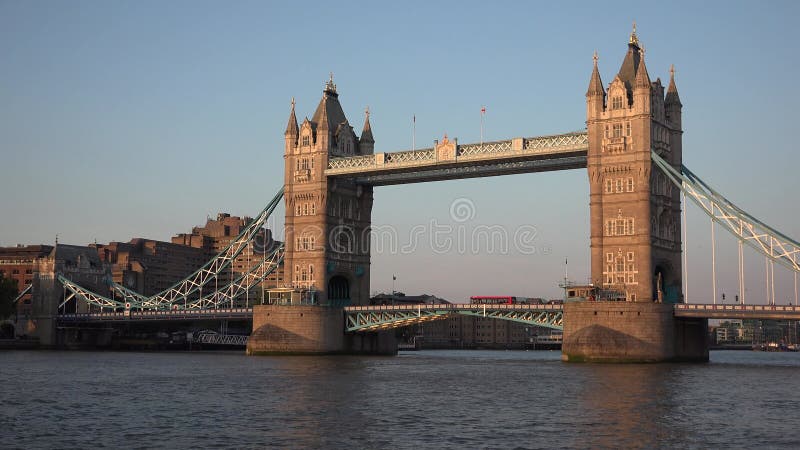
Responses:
[298,330]
[631,332]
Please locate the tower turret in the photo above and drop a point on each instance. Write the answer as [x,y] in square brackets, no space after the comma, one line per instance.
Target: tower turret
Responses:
[672,102]
[596,94]
[641,87]
[292,131]
[366,143]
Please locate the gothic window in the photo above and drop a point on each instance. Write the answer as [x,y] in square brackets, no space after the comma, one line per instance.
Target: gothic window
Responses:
[629,186]
[606,132]
[619,185]
[627,129]
[619,272]
[620,227]
[617,130]
[616,102]
[313,208]
[306,141]
[630,256]
[609,186]
[311,272]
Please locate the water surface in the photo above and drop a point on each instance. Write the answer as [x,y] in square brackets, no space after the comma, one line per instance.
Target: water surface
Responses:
[427,399]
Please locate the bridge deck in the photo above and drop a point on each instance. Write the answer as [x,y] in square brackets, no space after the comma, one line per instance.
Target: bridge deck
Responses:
[519,155]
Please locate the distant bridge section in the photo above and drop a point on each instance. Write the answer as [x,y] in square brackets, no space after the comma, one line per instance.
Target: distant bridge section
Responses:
[384,317]
[448,160]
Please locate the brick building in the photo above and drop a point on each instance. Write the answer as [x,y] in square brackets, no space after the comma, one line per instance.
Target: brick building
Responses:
[18,263]
[148,266]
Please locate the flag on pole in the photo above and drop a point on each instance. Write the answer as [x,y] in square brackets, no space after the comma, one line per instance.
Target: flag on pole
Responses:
[483,110]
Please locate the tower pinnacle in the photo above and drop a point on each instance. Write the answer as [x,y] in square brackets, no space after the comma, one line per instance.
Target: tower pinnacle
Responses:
[672,90]
[366,133]
[595,83]
[642,77]
[291,127]
[634,39]
[330,88]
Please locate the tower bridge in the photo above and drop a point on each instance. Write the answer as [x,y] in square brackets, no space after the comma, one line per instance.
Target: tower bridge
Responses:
[632,151]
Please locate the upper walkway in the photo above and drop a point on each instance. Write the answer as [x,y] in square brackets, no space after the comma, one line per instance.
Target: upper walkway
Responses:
[449,160]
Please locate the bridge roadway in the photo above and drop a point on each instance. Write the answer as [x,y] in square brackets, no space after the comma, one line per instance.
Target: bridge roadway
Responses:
[381,317]
[764,312]
[448,160]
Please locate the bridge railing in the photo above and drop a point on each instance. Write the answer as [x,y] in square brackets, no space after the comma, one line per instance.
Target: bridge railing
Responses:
[454,306]
[746,308]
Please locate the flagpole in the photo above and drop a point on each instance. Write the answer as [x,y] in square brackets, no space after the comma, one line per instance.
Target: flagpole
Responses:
[483,111]
[414,132]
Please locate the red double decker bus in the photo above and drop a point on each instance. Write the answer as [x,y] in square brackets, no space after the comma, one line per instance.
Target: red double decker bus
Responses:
[492,299]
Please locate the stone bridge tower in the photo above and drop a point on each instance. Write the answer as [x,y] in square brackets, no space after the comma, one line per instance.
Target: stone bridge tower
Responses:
[327,221]
[635,209]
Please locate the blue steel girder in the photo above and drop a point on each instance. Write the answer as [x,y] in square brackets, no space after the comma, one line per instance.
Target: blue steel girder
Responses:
[546,319]
[375,318]
[363,321]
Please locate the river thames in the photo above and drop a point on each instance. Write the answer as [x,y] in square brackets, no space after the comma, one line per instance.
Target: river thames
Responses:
[425,399]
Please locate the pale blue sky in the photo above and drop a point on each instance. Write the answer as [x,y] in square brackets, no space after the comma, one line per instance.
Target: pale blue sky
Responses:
[127,119]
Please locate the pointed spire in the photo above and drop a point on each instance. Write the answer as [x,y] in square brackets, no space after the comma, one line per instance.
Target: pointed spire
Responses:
[642,77]
[291,127]
[595,83]
[366,133]
[672,90]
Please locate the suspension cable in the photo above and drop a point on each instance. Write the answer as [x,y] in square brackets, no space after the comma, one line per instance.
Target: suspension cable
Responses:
[741,271]
[713,259]
[685,248]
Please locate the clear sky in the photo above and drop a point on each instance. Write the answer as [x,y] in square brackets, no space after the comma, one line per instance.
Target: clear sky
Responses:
[139,119]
